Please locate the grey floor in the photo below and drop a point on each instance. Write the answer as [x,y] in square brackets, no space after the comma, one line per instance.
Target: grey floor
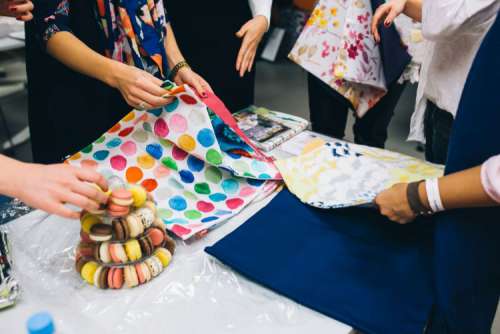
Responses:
[280,86]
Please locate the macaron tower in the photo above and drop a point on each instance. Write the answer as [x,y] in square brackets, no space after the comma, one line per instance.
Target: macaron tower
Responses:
[124,243]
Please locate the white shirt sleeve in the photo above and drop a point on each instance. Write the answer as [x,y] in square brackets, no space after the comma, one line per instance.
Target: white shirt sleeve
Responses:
[261,7]
[442,19]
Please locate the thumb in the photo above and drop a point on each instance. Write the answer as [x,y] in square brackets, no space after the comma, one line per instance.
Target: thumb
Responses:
[243,30]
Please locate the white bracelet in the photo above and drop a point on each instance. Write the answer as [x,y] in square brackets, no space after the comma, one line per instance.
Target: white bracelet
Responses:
[433,195]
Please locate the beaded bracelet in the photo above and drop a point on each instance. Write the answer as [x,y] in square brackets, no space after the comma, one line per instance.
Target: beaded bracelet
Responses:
[177,68]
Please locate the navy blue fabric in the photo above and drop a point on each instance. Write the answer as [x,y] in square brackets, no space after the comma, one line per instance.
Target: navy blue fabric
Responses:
[350,264]
[467,242]
[394,54]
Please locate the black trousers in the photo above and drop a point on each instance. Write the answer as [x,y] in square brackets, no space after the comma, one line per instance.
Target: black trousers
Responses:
[329,111]
[437,129]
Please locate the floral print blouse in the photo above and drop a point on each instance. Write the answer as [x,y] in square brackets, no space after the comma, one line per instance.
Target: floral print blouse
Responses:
[133,31]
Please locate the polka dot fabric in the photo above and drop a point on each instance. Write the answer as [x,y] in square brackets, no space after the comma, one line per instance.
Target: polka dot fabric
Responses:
[174,154]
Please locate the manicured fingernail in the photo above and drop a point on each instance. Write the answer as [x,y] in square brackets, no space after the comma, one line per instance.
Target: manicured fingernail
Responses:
[387,24]
[12,8]
[167,96]
[204,94]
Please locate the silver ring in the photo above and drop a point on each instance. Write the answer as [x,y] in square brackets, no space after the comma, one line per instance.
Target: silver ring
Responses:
[142,106]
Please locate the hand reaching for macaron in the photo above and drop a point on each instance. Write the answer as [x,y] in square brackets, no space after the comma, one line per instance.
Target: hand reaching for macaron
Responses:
[50,187]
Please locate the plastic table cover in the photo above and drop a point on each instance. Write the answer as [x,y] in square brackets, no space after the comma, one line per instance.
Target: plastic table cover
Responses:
[195,294]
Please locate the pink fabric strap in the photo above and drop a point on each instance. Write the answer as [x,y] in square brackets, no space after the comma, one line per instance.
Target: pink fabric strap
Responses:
[218,107]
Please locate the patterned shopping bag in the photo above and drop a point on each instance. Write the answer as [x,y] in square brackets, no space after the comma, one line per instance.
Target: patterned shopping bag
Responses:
[336,46]
[190,155]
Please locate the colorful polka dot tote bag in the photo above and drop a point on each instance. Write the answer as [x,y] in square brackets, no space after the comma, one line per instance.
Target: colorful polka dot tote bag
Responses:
[190,155]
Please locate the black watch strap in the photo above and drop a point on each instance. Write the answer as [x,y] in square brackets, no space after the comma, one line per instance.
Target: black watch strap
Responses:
[413,197]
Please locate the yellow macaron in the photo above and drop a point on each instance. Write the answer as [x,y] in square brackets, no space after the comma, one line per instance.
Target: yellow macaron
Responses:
[139,195]
[133,250]
[164,256]
[88,271]
[107,193]
[88,220]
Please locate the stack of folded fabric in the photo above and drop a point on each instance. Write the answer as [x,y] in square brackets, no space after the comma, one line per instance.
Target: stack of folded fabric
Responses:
[123,243]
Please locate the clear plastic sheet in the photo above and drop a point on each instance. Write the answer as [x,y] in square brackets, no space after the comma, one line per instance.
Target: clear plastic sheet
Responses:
[195,294]
[12,210]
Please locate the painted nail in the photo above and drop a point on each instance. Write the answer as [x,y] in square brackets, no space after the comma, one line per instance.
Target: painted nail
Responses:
[167,96]
[204,94]
[13,8]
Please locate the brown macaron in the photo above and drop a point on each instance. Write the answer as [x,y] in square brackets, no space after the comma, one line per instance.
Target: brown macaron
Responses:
[169,244]
[146,245]
[102,279]
[120,229]
[101,232]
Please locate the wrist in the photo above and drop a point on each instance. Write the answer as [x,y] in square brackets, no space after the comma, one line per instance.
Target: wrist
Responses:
[113,72]
[422,194]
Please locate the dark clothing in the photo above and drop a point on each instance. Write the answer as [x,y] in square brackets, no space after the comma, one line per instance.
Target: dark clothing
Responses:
[437,129]
[205,31]
[67,110]
[329,111]
[467,241]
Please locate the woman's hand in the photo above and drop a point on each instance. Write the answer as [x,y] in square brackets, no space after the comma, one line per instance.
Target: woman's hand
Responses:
[20,9]
[252,33]
[387,12]
[393,203]
[139,88]
[187,76]
[49,187]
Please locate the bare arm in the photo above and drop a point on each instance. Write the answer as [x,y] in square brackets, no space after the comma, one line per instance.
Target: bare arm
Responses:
[137,86]
[458,190]
[72,52]
[49,187]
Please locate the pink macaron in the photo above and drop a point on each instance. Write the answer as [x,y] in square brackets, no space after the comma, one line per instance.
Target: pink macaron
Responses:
[115,278]
[122,197]
[117,253]
[157,235]
[118,211]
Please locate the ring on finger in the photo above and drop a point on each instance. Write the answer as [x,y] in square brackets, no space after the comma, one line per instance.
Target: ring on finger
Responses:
[141,106]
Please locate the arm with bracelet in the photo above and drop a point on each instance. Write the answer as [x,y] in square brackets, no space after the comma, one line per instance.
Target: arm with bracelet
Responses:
[474,187]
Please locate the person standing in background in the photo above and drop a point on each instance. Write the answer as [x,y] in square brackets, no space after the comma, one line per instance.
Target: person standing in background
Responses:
[220,39]
[89,62]
[453,31]
[47,187]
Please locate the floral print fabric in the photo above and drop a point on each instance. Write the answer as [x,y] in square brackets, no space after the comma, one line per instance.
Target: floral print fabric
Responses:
[336,46]
[339,174]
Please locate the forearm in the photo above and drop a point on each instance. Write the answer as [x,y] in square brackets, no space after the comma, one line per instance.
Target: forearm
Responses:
[461,190]
[72,52]
[9,175]
[413,9]
[174,54]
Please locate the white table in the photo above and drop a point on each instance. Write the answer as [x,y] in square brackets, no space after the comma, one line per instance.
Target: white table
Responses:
[196,293]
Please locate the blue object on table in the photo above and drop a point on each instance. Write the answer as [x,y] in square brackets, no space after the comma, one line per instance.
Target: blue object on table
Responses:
[467,241]
[394,54]
[350,264]
[40,323]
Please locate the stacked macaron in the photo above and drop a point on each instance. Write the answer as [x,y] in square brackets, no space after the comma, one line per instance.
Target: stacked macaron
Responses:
[123,243]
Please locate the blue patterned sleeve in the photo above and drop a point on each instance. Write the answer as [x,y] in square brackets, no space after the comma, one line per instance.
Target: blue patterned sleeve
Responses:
[51,17]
